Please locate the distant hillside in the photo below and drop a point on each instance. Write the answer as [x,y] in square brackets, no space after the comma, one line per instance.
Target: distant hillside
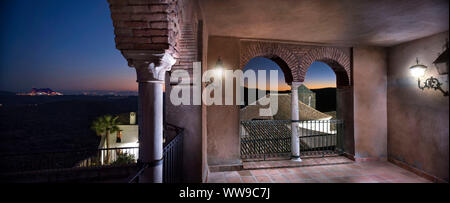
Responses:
[6,93]
[36,124]
[325,99]
[259,94]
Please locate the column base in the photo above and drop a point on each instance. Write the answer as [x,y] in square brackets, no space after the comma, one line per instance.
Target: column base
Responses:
[296,159]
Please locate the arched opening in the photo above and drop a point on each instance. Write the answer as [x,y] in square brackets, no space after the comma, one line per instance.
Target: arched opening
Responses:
[319,88]
[328,83]
[256,64]
[338,62]
[262,134]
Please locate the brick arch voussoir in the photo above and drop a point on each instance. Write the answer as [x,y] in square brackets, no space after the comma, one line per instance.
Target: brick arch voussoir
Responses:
[338,61]
[270,51]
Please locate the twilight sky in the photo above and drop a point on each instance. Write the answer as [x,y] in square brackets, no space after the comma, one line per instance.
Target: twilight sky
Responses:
[319,74]
[63,45]
[69,45]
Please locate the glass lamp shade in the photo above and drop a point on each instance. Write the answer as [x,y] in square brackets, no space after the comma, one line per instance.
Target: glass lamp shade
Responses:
[441,63]
[218,72]
[218,69]
[417,70]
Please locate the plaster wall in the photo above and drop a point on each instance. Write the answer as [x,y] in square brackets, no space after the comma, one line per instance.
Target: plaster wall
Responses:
[344,109]
[189,117]
[418,120]
[370,105]
[205,168]
[223,120]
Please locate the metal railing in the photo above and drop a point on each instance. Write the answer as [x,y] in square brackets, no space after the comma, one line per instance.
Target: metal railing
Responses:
[68,159]
[51,161]
[271,139]
[172,157]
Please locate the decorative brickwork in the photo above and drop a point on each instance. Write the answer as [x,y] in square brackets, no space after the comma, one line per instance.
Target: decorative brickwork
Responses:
[187,50]
[295,59]
[144,28]
[287,60]
[335,58]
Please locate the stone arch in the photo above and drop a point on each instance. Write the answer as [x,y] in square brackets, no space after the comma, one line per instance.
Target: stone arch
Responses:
[335,58]
[285,59]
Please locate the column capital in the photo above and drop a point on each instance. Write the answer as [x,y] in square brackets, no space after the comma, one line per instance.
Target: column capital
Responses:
[296,84]
[153,70]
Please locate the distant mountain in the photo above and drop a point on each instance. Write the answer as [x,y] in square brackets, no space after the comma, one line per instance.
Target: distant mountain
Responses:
[6,93]
[325,99]
[260,93]
[100,92]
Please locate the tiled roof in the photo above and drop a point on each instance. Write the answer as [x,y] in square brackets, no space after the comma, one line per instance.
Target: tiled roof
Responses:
[283,112]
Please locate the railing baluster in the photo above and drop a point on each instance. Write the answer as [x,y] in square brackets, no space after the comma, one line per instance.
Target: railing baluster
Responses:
[265,139]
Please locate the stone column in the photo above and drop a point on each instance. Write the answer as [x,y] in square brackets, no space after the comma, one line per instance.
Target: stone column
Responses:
[150,76]
[295,141]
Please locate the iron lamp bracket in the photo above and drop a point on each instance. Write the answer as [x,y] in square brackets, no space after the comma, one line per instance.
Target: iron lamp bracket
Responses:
[432,83]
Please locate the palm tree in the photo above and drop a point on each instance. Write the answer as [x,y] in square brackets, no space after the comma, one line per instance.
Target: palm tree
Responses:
[104,126]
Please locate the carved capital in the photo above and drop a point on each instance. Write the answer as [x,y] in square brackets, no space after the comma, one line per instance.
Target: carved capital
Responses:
[154,70]
[295,85]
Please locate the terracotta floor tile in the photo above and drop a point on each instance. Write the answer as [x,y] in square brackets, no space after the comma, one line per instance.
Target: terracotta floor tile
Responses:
[285,170]
[216,175]
[323,180]
[278,179]
[229,174]
[272,172]
[263,179]
[216,180]
[258,172]
[290,176]
[245,173]
[317,175]
[329,174]
[303,176]
[248,179]
[233,180]
[363,172]
[363,179]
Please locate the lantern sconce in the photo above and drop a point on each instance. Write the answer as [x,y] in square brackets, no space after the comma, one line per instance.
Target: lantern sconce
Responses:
[418,70]
[441,62]
[218,71]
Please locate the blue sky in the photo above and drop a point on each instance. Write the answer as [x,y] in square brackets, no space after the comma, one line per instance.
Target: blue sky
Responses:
[60,44]
[319,74]
[69,45]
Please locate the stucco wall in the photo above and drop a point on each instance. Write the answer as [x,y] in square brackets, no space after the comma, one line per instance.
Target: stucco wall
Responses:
[370,110]
[189,117]
[418,120]
[223,121]
[204,54]
[344,110]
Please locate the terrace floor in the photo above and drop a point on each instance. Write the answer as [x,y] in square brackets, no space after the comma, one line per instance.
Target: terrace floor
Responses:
[286,163]
[364,172]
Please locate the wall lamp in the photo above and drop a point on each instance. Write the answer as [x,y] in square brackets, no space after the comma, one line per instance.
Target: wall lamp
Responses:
[218,71]
[418,70]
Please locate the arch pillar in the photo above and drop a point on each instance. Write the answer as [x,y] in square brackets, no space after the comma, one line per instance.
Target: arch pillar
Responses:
[150,76]
[295,139]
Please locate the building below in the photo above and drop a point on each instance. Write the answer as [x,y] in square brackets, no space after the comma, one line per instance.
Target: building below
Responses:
[282,111]
[41,92]
[307,96]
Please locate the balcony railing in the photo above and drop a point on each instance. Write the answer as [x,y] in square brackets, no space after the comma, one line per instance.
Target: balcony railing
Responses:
[68,159]
[54,161]
[172,158]
[269,139]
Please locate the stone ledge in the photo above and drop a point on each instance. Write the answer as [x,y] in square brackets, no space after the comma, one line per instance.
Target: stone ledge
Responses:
[416,171]
[228,167]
